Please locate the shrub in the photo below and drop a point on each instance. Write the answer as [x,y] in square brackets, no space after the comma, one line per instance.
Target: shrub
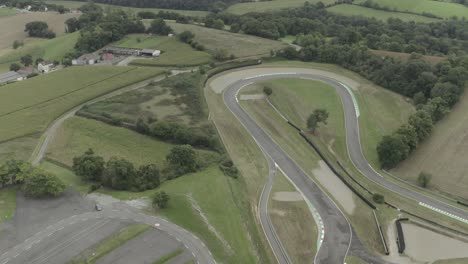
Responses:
[267,90]
[378,198]
[42,184]
[424,179]
[161,199]
[228,168]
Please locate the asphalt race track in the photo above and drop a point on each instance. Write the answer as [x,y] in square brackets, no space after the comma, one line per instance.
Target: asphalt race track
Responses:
[338,233]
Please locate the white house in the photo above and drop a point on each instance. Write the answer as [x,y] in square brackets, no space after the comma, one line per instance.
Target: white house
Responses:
[45,67]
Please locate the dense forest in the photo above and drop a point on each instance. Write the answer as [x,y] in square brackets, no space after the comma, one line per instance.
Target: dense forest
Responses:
[445,37]
[171,4]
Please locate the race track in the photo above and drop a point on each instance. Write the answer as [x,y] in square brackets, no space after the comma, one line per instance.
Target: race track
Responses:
[338,233]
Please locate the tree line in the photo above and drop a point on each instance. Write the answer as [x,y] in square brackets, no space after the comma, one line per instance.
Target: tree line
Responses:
[34,181]
[171,4]
[444,37]
[121,174]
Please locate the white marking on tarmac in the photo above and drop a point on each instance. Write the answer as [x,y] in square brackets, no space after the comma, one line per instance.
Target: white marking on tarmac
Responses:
[444,213]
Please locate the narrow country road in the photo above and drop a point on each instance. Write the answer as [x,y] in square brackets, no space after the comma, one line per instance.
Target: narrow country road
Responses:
[338,233]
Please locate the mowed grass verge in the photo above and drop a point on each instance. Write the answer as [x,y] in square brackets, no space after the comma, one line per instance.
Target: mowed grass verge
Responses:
[355,10]
[7,203]
[174,52]
[28,107]
[265,6]
[212,191]
[439,8]
[293,222]
[92,254]
[240,45]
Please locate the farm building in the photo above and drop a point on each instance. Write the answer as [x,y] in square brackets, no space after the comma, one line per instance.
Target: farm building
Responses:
[122,51]
[150,52]
[10,76]
[25,71]
[107,56]
[86,59]
[45,67]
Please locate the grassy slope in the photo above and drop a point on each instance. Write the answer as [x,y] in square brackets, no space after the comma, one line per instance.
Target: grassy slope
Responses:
[264,6]
[443,154]
[442,9]
[78,134]
[7,12]
[210,188]
[51,49]
[27,107]
[174,52]
[239,45]
[354,10]
[110,243]
[293,223]
[77,4]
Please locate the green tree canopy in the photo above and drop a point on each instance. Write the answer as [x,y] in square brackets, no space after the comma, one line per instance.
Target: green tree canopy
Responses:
[159,27]
[119,174]
[161,199]
[89,166]
[318,116]
[39,183]
[391,150]
[182,159]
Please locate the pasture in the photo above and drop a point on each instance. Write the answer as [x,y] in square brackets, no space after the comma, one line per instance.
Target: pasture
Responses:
[173,51]
[355,10]
[77,4]
[443,154]
[27,107]
[266,6]
[438,8]
[239,45]
[12,27]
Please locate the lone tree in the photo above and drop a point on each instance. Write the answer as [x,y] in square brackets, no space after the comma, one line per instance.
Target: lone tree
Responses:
[182,160]
[318,116]
[26,60]
[186,36]
[161,199]
[15,67]
[159,27]
[39,29]
[267,90]
[424,179]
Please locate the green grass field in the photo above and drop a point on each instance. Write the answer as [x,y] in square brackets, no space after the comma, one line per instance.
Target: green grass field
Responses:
[293,223]
[7,12]
[77,4]
[27,107]
[7,203]
[355,10]
[53,49]
[174,52]
[265,6]
[240,45]
[78,134]
[102,248]
[438,8]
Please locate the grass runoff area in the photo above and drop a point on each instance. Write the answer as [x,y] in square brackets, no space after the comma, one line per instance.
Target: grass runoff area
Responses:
[438,8]
[7,12]
[102,248]
[174,52]
[293,222]
[168,257]
[77,4]
[240,45]
[266,6]
[7,203]
[355,10]
[27,107]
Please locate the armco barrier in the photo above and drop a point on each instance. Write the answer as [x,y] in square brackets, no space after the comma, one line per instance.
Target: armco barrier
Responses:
[462,203]
[400,237]
[352,178]
[336,172]
[382,237]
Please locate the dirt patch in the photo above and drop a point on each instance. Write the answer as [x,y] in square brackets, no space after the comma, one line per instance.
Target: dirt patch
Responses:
[425,245]
[287,196]
[335,186]
[12,27]
[223,81]
[252,96]
[278,212]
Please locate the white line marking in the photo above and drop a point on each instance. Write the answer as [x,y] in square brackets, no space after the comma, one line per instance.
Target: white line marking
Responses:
[444,213]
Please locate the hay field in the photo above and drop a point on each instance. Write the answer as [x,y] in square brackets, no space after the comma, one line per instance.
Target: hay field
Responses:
[238,44]
[12,27]
[441,9]
[443,154]
[355,10]
[265,6]
[27,107]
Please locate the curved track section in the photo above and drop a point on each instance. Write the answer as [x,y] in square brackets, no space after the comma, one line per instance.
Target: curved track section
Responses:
[338,233]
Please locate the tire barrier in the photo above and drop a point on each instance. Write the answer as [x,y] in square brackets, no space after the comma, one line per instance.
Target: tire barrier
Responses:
[462,203]
[231,66]
[352,178]
[382,237]
[400,237]
[336,172]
